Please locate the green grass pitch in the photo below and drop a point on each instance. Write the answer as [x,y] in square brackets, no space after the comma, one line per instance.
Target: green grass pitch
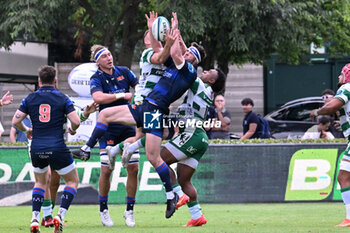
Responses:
[240,218]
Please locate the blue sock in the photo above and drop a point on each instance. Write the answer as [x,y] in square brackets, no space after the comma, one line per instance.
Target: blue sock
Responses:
[130,202]
[103,202]
[37,198]
[97,134]
[164,174]
[67,197]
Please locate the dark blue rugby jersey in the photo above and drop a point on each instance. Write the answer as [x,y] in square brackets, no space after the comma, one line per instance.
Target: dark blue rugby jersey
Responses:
[173,84]
[120,82]
[47,109]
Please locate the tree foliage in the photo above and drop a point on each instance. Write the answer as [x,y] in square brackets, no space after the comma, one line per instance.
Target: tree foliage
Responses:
[240,31]
[232,31]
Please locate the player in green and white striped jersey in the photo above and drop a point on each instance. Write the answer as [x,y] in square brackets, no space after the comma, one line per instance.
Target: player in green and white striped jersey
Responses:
[150,72]
[341,103]
[188,147]
[152,59]
[190,144]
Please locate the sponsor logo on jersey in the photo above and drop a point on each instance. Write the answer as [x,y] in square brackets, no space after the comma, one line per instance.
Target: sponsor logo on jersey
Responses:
[120,78]
[191,150]
[110,142]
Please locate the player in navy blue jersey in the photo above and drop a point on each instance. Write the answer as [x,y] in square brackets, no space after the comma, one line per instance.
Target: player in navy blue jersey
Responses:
[109,87]
[181,72]
[48,109]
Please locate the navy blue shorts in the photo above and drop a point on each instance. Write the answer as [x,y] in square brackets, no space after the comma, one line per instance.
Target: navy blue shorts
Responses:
[143,115]
[58,160]
[116,133]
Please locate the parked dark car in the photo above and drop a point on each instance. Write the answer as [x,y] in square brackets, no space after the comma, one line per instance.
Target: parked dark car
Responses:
[292,119]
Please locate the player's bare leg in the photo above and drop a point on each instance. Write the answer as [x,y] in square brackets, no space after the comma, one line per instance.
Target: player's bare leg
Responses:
[344,181]
[119,149]
[168,157]
[54,185]
[184,175]
[153,144]
[118,114]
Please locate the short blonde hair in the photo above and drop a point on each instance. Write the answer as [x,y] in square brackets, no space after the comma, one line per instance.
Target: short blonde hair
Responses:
[94,49]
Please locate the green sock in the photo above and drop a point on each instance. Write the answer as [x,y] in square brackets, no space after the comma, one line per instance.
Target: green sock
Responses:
[143,141]
[191,204]
[121,145]
[47,209]
[53,204]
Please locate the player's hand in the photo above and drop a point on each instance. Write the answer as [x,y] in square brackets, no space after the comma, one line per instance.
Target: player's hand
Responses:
[29,134]
[70,131]
[170,37]
[174,21]
[128,96]
[91,108]
[152,16]
[323,134]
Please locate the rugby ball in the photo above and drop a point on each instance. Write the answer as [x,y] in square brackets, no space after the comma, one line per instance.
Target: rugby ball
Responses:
[160,28]
[79,78]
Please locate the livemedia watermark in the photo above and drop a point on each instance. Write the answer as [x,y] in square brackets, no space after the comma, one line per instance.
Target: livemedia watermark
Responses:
[155,120]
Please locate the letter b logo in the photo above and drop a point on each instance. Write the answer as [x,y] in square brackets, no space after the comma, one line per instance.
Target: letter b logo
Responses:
[311,174]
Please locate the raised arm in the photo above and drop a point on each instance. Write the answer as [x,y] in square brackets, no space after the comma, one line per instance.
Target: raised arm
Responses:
[183,46]
[156,45]
[162,56]
[175,25]
[176,52]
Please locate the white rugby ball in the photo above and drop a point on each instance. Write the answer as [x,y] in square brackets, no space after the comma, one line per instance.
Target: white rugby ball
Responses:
[79,78]
[160,28]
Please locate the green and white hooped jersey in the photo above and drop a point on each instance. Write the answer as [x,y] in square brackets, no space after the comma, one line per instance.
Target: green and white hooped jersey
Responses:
[197,101]
[343,94]
[149,75]
[191,143]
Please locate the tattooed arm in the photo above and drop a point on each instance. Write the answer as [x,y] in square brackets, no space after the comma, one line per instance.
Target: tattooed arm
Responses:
[17,121]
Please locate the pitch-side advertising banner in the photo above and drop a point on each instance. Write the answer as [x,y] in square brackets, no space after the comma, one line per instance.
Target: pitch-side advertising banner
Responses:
[225,174]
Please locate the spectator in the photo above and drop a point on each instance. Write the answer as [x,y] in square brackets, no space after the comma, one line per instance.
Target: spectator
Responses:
[320,130]
[334,128]
[218,112]
[17,135]
[251,123]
